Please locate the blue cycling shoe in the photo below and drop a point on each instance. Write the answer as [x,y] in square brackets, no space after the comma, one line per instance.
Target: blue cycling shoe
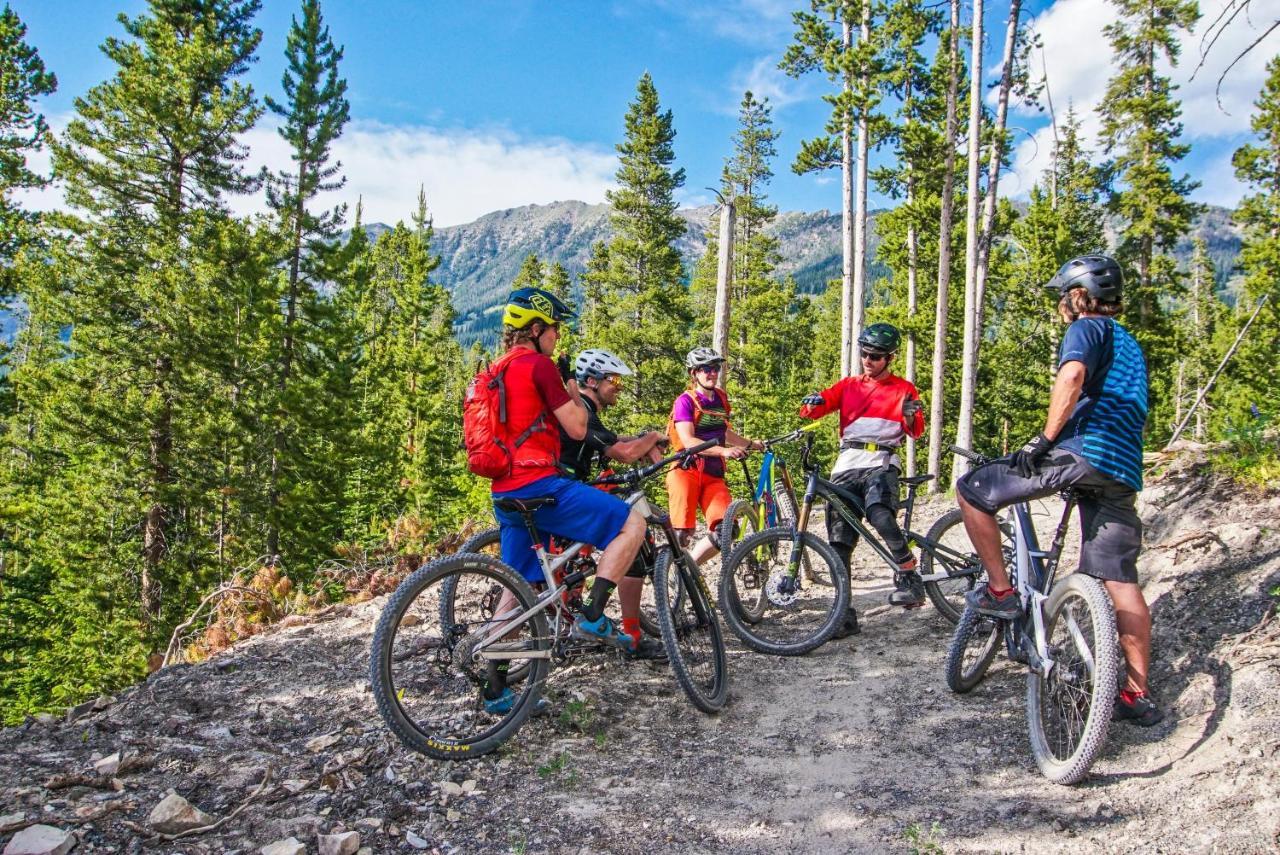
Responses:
[503,704]
[602,630]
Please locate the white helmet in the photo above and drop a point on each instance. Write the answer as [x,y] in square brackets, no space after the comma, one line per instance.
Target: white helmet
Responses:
[598,364]
[700,356]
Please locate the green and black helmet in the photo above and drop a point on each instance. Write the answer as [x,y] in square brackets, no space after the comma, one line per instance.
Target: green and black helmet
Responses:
[883,337]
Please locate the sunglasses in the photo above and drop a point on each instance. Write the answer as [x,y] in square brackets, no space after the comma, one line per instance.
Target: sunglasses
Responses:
[708,369]
[615,379]
[874,355]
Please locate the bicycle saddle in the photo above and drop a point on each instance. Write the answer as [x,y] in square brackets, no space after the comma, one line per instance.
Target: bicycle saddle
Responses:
[525,506]
[915,480]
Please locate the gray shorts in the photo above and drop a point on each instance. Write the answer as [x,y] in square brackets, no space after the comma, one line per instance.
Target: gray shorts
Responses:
[1111,529]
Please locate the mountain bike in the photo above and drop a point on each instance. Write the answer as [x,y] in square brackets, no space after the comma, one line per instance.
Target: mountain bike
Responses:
[764,570]
[431,665]
[1066,636]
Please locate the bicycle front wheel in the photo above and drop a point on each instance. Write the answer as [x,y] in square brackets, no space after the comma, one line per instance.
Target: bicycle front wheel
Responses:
[1069,709]
[799,614]
[973,645]
[439,685]
[486,542]
[950,552]
[691,631]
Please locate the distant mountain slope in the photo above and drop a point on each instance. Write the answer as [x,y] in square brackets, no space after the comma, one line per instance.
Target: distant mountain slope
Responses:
[479,259]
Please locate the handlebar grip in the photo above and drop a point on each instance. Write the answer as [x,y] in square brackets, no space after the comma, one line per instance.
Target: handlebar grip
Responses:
[971,456]
[700,447]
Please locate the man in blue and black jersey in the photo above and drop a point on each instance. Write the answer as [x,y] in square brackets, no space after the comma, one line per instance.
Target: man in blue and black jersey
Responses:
[1092,438]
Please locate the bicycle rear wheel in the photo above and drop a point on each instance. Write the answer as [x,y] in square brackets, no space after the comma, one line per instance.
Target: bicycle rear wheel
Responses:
[1069,710]
[799,614]
[429,677]
[973,645]
[952,553]
[740,521]
[691,632]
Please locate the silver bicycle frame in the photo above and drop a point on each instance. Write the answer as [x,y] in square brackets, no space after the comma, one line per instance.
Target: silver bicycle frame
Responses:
[1024,539]
[549,566]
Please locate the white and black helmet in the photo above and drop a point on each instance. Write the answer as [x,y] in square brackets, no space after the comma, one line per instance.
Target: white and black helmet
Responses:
[701,356]
[598,364]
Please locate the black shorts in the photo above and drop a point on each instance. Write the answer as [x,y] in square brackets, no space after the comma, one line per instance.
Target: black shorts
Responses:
[1111,529]
[876,485]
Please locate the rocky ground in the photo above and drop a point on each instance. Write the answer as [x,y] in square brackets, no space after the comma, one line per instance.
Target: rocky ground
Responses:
[857,747]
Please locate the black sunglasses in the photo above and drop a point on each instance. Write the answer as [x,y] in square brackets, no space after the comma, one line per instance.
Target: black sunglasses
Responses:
[874,355]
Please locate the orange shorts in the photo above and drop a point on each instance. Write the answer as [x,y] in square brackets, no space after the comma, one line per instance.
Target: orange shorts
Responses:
[688,490]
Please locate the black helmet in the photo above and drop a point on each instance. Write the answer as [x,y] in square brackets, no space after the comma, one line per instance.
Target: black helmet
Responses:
[1098,274]
[881,337]
[525,305]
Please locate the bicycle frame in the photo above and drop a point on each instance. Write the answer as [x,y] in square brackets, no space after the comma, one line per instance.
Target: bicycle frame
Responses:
[1034,570]
[637,501]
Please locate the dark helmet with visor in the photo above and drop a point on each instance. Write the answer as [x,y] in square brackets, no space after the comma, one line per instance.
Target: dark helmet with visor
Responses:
[1100,275]
[883,337]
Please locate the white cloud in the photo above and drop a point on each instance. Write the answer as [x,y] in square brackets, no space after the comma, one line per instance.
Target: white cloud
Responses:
[466,173]
[764,23]
[764,79]
[1078,60]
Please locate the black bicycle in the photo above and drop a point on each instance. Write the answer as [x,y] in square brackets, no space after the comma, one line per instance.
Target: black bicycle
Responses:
[1066,636]
[466,622]
[775,608]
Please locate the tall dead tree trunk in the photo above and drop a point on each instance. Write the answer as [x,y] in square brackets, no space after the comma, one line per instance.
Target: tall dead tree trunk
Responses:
[860,215]
[938,389]
[846,217]
[724,284]
[969,348]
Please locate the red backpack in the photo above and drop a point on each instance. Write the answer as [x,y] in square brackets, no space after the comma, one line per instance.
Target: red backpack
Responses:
[490,447]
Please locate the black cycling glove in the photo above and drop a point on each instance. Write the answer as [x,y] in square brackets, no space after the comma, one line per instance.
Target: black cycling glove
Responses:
[566,371]
[1026,460]
[814,400]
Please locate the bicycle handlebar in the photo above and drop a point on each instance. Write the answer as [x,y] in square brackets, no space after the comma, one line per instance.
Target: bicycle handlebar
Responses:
[635,476]
[792,436]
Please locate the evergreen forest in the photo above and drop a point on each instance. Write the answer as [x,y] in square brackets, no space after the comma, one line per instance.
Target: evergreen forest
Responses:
[194,401]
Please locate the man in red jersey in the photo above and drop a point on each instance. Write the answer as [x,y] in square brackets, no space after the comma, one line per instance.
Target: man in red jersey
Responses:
[538,405]
[878,410]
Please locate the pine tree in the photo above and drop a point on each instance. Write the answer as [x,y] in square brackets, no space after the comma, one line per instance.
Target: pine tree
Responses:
[1254,370]
[23,78]
[314,112]
[1140,130]
[644,307]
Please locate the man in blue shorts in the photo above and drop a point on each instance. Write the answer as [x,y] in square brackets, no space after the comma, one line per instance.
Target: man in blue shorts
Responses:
[539,404]
[1092,438]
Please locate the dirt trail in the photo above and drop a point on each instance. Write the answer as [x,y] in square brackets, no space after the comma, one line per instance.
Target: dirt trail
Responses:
[858,747]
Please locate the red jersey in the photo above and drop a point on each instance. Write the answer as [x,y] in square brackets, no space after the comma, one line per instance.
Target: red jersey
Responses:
[870,413]
[534,390]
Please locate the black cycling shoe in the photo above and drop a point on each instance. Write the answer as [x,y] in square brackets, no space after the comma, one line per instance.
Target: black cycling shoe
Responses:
[1143,711]
[909,590]
[981,600]
[648,649]
[849,626]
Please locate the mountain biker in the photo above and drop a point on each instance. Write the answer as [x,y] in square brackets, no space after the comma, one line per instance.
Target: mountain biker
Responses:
[599,375]
[538,404]
[878,410]
[698,414]
[1092,438]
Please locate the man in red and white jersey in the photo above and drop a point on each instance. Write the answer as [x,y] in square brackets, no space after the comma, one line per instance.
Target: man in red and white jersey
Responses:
[878,410]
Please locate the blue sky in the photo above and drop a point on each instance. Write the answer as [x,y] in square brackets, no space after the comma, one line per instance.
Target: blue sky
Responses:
[495,104]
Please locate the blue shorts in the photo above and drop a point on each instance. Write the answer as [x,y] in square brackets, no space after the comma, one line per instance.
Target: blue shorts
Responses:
[580,513]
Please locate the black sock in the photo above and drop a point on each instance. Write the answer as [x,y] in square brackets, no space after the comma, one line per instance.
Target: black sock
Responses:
[593,604]
[497,682]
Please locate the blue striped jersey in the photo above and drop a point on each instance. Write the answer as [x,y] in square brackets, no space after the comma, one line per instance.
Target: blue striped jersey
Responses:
[1106,425]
